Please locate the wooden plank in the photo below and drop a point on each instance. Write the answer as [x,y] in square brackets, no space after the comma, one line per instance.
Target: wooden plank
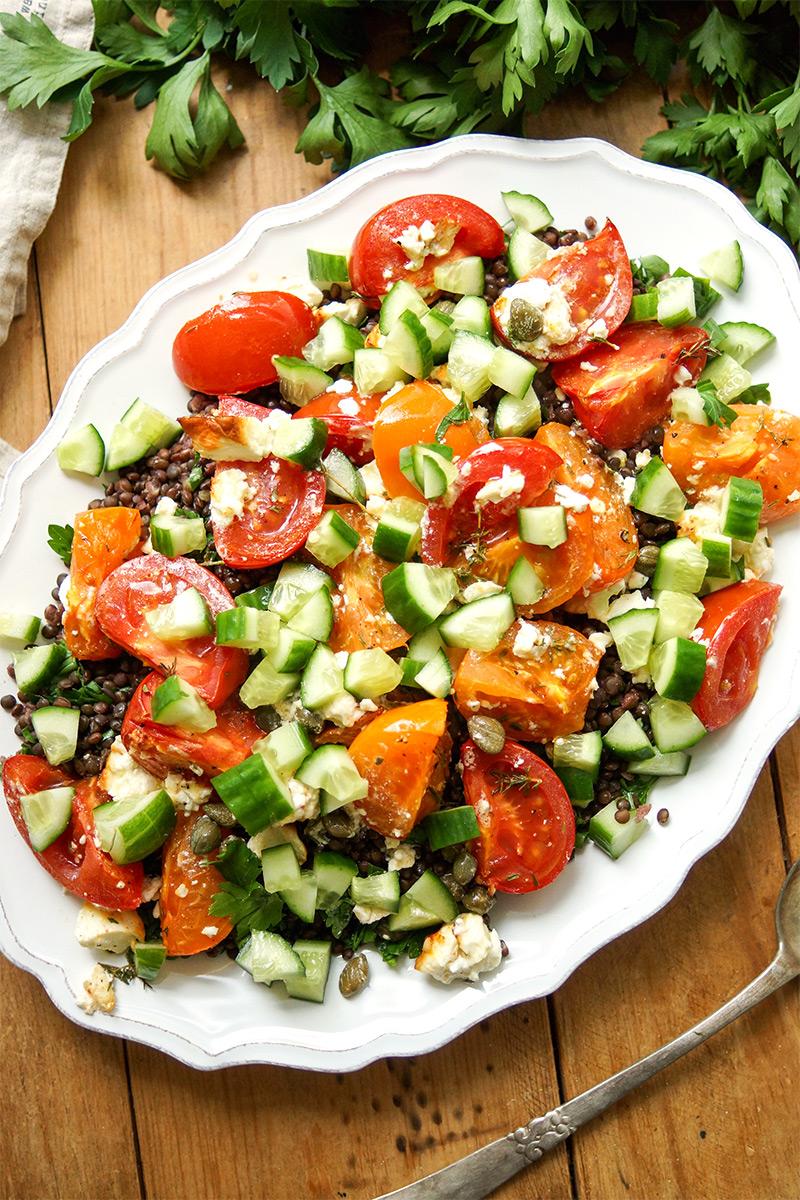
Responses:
[712,1126]
[352,1137]
[626,118]
[24,396]
[787,761]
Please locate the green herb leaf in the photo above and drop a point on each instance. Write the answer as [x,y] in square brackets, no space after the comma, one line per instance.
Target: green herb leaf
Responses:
[716,410]
[246,908]
[34,64]
[237,863]
[459,415]
[351,123]
[648,269]
[757,393]
[392,952]
[59,539]
[337,917]
[267,37]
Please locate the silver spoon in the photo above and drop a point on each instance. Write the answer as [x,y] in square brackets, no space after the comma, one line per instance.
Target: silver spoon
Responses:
[479,1174]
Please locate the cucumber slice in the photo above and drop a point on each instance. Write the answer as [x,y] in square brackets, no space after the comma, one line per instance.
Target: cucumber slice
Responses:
[332,770]
[333,873]
[687,405]
[439,328]
[543,526]
[280,870]
[322,680]
[271,957]
[428,468]
[718,550]
[644,307]
[292,651]
[516,416]
[300,441]
[148,959]
[471,315]
[627,739]
[375,371]
[705,296]
[256,598]
[607,833]
[18,629]
[425,645]
[402,297]
[674,764]
[266,686]
[299,380]
[325,269]
[334,345]
[416,594]
[371,673]
[342,479]
[176,702]
[741,508]
[183,618]
[524,253]
[57,731]
[296,583]
[435,676]
[511,372]
[725,265]
[463,277]
[728,376]
[316,958]
[46,814]
[397,536]
[408,345]
[675,726]
[332,540]
[656,492]
[579,750]
[480,625]
[255,793]
[527,212]
[381,890]
[248,628]
[287,748]
[681,566]
[678,614]
[678,666]
[141,431]
[468,364]
[174,534]
[579,785]
[633,633]
[129,830]
[524,584]
[427,902]
[676,304]
[743,341]
[82,450]
[35,668]
[451,826]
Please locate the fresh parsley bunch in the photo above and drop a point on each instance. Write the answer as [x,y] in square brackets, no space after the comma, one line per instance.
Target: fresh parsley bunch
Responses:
[472,66]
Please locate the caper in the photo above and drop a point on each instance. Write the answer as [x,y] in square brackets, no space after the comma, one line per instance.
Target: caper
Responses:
[524,321]
[206,835]
[317,832]
[464,868]
[454,888]
[340,823]
[266,718]
[477,899]
[355,976]
[648,557]
[487,734]
[450,853]
[220,813]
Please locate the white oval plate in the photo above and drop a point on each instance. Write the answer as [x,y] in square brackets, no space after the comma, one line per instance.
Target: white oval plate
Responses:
[208,1014]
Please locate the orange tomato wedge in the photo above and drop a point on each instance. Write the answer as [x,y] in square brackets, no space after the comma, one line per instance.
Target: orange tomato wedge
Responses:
[187,887]
[104,538]
[360,622]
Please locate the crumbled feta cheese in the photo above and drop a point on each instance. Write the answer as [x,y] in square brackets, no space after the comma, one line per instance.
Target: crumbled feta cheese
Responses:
[530,641]
[587,366]
[567,497]
[628,485]
[642,459]
[181,891]
[462,949]
[343,710]
[598,329]
[401,858]
[99,989]
[682,375]
[349,406]
[230,492]
[549,299]
[151,888]
[636,580]
[305,801]
[123,778]
[597,506]
[368,915]
[627,602]
[210,931]
[481,414]
[483,587]
[352,311]
[601,640]
[110,932]
[304,289]
[342,387]
[186,794]
[585,481]
[508,483]
[418,241]
[597,604]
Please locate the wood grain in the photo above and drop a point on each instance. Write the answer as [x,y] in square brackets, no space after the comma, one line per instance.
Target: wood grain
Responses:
[118,227]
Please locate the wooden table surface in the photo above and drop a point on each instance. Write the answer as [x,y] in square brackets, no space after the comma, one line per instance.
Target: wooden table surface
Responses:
[86,1116]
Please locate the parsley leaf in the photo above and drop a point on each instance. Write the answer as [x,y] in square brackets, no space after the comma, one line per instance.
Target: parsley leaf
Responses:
[716,410]
[757,393]
[237,863]
[267,37]
[350,123]
[247,908]
[34,64]
[648,269]
[180,144]
[459,414]
[337,917]
[392,952]
[59,539]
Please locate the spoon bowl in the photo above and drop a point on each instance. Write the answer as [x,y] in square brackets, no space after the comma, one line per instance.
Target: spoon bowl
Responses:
[787,918]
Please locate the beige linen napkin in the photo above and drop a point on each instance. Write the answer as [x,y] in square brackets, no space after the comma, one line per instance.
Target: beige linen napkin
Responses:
[32,157]
[7,456]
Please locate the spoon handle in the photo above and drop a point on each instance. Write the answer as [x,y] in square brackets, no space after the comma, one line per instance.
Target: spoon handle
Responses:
[479,1174]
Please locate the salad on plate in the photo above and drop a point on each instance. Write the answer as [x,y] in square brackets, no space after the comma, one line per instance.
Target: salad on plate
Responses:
[459,549]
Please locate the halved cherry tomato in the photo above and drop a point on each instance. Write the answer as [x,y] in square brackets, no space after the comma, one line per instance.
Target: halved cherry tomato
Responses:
[285,506]
[761,444]
[736,624]
[360,621]
[73,860]
[621,391]
[538,697]
[595,277]
[104,538]
[162,748]
[413,415]
[188,884]
[526,819]
[142,584]
[377,260]
[229,348]
[467,520]
[404,754]
[616,544]
[349,417]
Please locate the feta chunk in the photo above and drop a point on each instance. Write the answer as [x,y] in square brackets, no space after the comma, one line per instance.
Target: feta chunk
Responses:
[368,915]
[99,989]
[123,778]
[401,858]
[598,329]
[463,949]
[230,492]
[509,483]
[186,794]
[304,289]
[642,459]
[567,497]
[550,301]
[418,241]
[530,641]
[352,311]
[305,801]
[110,932]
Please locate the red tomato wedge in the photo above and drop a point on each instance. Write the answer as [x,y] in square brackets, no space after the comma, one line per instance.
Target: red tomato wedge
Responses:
[162,748]
[360,621]
[621,391]
[526,819]
[404,755]
[73,860]
[595,277]
[188,885]
[469,520]
[284,506]
[104,538]
[144,583]
[229,348]
[377,259]
[349,417]
[736,625]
